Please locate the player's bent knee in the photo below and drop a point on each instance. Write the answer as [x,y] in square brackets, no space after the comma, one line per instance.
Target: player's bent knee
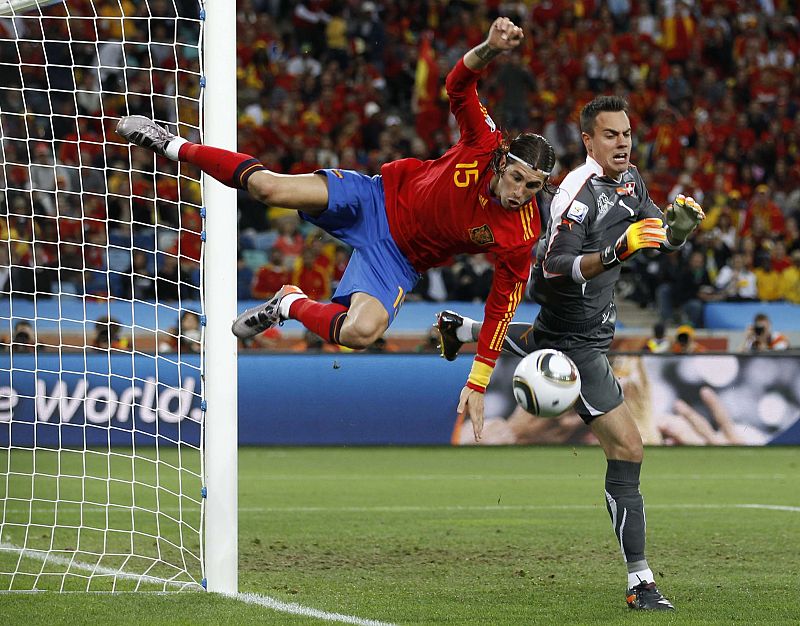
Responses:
[631,449]
[264,187]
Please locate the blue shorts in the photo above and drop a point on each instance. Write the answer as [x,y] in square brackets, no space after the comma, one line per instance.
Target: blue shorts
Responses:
[356,215]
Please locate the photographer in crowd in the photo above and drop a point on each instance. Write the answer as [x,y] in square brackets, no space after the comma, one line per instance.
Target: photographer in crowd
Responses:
[23,337]
[760,336]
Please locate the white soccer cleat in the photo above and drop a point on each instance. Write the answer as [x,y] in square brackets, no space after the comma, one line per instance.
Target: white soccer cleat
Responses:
[259,318]
[146,133]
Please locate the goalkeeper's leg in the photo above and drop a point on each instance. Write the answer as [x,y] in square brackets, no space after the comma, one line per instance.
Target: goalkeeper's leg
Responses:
[622,444]
[303,192]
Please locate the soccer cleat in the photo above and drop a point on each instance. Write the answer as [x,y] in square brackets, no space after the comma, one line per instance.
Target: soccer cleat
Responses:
[447,322]
[259,318]
[647,597]
[145,132]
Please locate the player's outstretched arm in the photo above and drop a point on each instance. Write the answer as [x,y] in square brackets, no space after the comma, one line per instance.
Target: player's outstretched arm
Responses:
[503,35]
[647,233]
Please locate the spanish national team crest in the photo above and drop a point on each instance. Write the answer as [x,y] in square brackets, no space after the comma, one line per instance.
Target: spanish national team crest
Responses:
[482,235]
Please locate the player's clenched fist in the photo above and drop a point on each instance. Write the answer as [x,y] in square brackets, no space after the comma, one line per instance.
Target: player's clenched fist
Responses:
[683,216]
[646,233]
[504,34]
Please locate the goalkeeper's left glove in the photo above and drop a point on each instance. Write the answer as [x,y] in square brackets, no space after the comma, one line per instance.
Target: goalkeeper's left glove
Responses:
[683,216]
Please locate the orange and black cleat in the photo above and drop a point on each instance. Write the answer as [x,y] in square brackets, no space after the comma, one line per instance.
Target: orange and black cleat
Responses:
[647,597]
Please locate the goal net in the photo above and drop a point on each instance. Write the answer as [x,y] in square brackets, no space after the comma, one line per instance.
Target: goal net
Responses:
[102,318]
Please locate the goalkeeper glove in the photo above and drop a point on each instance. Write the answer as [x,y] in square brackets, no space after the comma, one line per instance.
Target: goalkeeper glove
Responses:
[646,233]
[683,216]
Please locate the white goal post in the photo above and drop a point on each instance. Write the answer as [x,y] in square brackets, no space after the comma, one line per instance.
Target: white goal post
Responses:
[118,380]
[221,557]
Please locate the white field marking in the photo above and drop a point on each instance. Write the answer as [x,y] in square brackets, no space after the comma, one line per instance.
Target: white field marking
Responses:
[49,557]
[305,611]
[503,477]
[247,598]
[503,507]
[421,509]
[770,507]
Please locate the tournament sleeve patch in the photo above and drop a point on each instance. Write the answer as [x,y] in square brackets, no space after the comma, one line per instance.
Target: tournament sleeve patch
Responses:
[577,212]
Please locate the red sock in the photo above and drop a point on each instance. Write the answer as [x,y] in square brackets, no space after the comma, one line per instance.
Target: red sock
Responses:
[323,319]
[230,168]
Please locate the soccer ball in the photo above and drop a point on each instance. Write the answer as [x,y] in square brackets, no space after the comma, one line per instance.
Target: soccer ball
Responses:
[546,383]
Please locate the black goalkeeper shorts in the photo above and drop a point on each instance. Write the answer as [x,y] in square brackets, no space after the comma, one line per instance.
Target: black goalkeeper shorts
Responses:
[587,346]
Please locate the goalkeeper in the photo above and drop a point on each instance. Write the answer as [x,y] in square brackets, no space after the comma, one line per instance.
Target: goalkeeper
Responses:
[601,216]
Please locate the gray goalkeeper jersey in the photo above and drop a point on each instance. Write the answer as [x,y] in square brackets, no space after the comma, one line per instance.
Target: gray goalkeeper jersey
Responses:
[589,212]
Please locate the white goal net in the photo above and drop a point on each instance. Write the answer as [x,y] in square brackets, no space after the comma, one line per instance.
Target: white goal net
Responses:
[101,307]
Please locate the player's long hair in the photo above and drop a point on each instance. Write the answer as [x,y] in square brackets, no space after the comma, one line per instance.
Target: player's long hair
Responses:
[531,148]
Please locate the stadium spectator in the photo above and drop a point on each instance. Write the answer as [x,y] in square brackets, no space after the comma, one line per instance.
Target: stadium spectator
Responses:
[310,277]
[70,268]
[435,285]
[517,84]
[16,279]
[472,278]
[593,229]
[23,338]
[37,278]
[173,282]
[142,284]
[478,197]
[430,344]
[768,281]
[725,231]
[685,342]
[565,137]
[762,206]
[791,234]
[108,335]
[312,342]
[658,343]
[687,292]
[270,277]
[736,282]
[780,259]
[289,241]
[759,336]
[790,286]
[715,250]
[184,337]
[341,257]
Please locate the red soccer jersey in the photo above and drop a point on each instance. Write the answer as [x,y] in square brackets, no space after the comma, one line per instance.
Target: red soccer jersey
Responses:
[443,207]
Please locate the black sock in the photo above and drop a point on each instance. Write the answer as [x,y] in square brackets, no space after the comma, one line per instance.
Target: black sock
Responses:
[626,508]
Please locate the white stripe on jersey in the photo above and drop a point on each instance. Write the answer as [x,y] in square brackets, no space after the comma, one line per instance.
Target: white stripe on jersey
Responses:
[567,190]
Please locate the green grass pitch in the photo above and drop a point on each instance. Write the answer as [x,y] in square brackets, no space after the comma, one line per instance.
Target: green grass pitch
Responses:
[485,536]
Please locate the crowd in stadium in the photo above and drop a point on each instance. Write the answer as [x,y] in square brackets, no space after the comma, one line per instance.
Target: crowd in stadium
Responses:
[713,87]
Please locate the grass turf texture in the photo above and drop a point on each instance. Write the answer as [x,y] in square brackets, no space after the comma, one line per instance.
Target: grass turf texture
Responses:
[485,536]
